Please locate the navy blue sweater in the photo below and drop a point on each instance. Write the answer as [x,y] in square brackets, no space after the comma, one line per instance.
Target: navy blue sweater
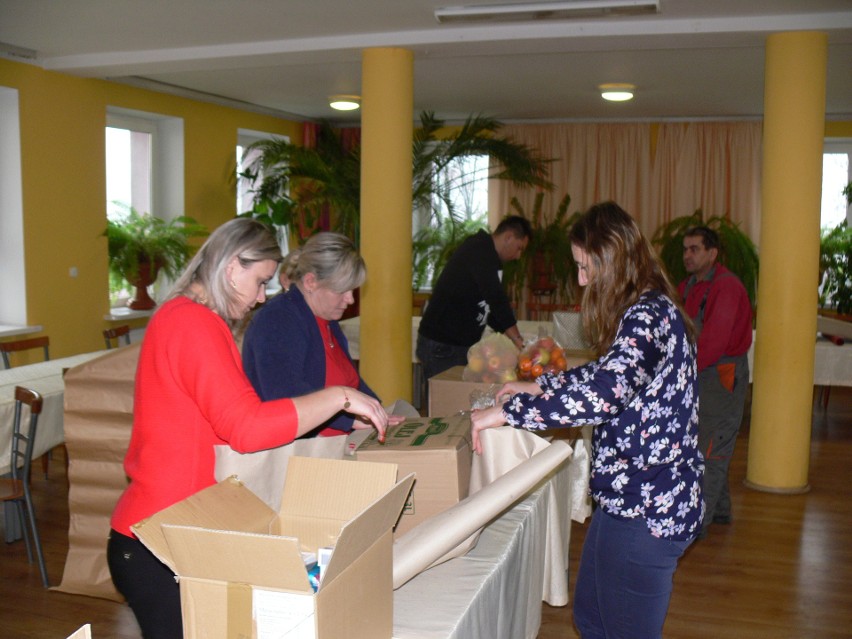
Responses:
[284,356]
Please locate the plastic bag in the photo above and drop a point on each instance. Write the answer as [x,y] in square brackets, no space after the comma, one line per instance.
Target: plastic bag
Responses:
[544,355]
[493,359]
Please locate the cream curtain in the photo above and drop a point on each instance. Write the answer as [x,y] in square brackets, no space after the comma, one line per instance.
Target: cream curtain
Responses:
[592,163]
[714,166]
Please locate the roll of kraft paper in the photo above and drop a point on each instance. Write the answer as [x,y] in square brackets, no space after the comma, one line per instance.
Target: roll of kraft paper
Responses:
[422,546]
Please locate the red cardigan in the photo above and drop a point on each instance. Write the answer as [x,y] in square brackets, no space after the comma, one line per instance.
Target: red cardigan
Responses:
[191,394]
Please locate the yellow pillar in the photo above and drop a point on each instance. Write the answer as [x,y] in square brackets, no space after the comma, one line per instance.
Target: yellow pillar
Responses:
[794,124]
[387,129]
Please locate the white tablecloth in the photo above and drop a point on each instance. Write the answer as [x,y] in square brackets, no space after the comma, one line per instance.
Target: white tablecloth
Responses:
[45,378]
[352,329]
[495,590]
[832,363]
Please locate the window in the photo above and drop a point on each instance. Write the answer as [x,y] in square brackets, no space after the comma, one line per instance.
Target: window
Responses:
[13,290]
[128,168]
[245,195]
[836,174]
[458,206]
[144,160]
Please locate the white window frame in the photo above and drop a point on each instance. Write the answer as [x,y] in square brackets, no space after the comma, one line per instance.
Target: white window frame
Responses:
[13,276]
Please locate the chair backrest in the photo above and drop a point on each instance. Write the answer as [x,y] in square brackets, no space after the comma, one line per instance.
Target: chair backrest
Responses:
[24,345]
[23,443]
[116,334]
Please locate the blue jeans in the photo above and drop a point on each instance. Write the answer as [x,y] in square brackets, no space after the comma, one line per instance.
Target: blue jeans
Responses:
[624,582]
[436,357]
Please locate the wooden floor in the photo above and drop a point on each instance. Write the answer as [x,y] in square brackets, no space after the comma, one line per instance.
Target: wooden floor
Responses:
[783,569]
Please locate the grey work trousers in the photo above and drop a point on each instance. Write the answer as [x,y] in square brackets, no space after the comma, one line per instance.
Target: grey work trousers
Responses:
[720,413]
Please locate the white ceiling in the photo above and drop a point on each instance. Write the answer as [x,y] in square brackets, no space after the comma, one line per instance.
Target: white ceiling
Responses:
[693,59]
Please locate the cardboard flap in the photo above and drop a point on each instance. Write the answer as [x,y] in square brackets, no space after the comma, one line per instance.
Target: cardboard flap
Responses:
[309,491]
[227,505]
[361,533]
[265,561]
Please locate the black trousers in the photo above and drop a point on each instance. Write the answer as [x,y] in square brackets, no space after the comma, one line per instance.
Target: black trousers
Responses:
[148,585]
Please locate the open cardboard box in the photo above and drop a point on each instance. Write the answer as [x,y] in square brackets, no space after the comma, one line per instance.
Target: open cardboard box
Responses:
[239,562]
[449,393]
[438,451]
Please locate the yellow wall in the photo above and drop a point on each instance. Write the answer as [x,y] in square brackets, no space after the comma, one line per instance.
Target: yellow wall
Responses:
[62,121]
[64,192]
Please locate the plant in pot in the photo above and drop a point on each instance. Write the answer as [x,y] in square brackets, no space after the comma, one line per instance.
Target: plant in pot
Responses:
[737,252]
[295,185]
[547,266]
[141,246]
[835,258]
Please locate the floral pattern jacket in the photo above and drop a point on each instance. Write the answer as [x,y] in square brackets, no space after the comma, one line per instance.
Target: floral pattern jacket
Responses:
[642,399]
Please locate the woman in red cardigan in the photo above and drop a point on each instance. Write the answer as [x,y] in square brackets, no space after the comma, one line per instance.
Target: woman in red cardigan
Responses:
[192,394]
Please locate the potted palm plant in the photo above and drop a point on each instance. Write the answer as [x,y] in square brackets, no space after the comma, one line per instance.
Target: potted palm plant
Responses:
[294,185]
[141,246]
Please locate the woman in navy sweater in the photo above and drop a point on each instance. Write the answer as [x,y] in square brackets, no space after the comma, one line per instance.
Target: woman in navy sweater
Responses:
[294,344]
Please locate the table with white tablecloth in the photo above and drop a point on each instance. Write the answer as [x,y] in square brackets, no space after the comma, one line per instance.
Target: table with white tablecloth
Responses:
[832,363]
[46,379]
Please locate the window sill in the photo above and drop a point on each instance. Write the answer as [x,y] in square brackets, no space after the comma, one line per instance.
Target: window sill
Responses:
[120,314]
[8,330]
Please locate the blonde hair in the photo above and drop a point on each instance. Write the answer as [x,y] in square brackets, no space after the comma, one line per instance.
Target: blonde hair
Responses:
[623,266]
[205,281]
[332,258]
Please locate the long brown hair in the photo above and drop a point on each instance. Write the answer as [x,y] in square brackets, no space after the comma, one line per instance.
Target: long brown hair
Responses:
[623,266]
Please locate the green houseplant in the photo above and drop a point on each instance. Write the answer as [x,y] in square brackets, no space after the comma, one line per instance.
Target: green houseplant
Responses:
[737,251]
[835,256]
[547,266]
[294,185]
[141,246]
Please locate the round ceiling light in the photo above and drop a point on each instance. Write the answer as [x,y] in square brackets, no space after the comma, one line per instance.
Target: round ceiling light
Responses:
[617,92]
[344,102]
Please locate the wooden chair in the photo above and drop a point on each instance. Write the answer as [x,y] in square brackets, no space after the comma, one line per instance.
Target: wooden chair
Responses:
[116,334]
[24,345]
[16,488]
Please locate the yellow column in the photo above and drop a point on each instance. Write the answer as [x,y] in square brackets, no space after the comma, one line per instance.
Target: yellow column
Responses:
[793,129]
[387,129]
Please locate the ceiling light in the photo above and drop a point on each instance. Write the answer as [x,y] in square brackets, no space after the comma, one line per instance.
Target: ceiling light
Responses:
[344,102]
[546,10]
[617,92]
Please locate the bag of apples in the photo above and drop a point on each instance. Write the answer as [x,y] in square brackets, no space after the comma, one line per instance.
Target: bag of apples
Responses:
[544,355]
[492,360]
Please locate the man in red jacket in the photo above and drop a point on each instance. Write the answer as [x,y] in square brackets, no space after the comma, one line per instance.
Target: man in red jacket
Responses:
[717,302]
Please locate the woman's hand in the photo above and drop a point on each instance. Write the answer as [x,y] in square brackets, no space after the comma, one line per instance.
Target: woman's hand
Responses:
[513,388]
[482,419]
[368,410]
[360,423]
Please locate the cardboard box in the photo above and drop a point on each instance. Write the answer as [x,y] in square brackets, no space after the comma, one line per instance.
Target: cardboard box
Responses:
[239,562]
[438,451]
[450,394]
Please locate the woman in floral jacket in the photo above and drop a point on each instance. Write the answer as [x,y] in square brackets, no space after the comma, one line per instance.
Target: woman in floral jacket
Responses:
[641,398]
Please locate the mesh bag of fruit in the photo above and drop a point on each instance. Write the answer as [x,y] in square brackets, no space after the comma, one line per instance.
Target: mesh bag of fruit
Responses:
[545,355]
[493,359]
